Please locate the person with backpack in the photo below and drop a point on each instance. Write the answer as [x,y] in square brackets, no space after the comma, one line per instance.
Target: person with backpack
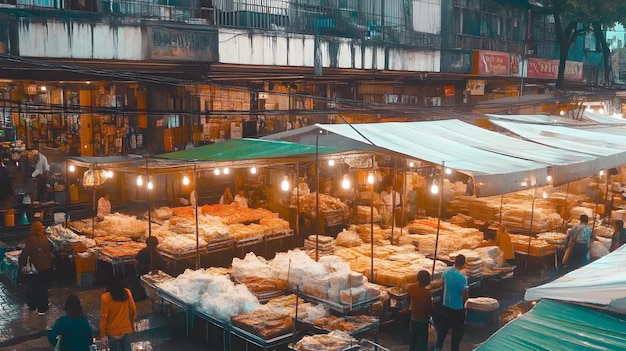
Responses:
[35,263]
[73,329]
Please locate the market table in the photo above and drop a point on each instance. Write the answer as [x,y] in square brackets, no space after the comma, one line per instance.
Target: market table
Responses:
[250,338]
[188,309]
[210,320]
[118,264]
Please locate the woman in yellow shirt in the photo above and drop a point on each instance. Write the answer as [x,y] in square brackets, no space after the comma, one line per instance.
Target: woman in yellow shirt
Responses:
[117,314]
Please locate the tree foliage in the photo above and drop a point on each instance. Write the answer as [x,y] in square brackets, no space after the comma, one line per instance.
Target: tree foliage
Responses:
[575,17]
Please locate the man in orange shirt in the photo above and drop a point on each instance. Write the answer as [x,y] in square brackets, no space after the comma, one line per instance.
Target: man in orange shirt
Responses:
[421,310]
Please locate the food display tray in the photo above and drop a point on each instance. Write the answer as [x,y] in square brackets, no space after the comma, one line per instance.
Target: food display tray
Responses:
[249,241]
[339,307]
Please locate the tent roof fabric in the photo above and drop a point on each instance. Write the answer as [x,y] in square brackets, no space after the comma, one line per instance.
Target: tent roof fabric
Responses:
[553,325]
[493,173]
[601,283]
[567,165]
[603,119]
[538,119]
[244,149]
[609,148]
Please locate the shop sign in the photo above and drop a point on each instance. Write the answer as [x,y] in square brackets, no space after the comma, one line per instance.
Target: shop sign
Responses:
[476,87]
[448,90]
[549,69]
[491,63]
[183,44]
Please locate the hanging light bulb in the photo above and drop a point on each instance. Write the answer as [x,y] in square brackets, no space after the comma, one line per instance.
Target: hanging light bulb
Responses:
[253,170]
[549,178]
[216,171]
[524,183]
[109,174]
[448,171]
[331,163]
[150,185]
[562,113]
[185,180]
[601,111]
[411,164]
[345,182]
[139,180]
[370,178]
[226,170]
[43,88]
[602,172]
[434,189]
[544,195]
[284,185]
[72,168]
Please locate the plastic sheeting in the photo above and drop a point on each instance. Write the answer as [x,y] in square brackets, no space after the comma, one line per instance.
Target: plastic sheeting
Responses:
[601,283]
[609,148]
[567,165]
[537,119]
[493,173]
[553,325]
[603,119]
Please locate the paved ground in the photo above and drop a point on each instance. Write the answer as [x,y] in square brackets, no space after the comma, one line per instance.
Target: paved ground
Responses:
[23,330]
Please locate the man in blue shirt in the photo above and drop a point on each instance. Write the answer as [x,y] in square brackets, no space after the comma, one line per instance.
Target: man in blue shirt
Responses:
[454,296]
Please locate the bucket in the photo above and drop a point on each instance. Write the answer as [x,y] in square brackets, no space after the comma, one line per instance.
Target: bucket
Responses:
[59,217]
[9,218]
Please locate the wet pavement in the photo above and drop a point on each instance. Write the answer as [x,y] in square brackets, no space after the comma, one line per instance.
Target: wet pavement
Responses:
[24,330]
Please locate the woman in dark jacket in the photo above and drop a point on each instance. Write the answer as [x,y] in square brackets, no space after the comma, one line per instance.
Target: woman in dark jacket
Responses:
[73,328]
[37,251]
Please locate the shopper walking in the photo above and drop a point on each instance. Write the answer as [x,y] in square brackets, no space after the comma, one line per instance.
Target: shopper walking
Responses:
[73,329]
[619,235]
[454,296]
[580,238]
[117,316]
[35,262]
[422,309]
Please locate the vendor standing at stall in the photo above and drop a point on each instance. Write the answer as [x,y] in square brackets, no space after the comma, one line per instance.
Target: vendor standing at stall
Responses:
[240,199]
[391,203]
[104,205]
[227,197]
[40,174]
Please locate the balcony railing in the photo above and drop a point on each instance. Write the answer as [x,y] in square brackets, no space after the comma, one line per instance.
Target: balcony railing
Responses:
[388,21]
[469,42]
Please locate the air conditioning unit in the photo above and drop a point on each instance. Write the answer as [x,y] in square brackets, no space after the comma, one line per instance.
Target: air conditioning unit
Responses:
[392,99]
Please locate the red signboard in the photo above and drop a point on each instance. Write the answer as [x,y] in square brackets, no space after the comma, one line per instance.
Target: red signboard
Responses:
[491,63]
[448,90]
[549,69]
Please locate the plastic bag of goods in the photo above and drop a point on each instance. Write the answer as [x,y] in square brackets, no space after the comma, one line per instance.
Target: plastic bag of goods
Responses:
[348,238]
[598,250]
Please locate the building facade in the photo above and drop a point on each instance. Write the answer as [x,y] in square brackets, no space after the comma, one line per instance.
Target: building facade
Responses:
[109,77]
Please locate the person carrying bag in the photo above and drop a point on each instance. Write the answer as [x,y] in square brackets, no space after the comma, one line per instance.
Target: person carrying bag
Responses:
[117,315]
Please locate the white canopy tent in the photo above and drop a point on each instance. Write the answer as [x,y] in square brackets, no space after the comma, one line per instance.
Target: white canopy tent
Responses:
[567,165]
[538,119]
[493,173]
[609,148]
[603,119]
[601,283]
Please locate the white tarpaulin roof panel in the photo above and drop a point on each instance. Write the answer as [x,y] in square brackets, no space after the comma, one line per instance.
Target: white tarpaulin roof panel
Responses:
[536,119]
[610,148]
[601,283]
[603,119]
[567,165]
[493,173]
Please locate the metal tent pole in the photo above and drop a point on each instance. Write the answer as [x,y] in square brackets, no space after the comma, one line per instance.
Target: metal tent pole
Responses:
[195,211]
[372,221]
[317,197]
[443,166]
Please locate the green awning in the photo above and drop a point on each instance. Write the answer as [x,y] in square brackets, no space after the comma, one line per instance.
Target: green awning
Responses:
[553,325]
[245,149]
